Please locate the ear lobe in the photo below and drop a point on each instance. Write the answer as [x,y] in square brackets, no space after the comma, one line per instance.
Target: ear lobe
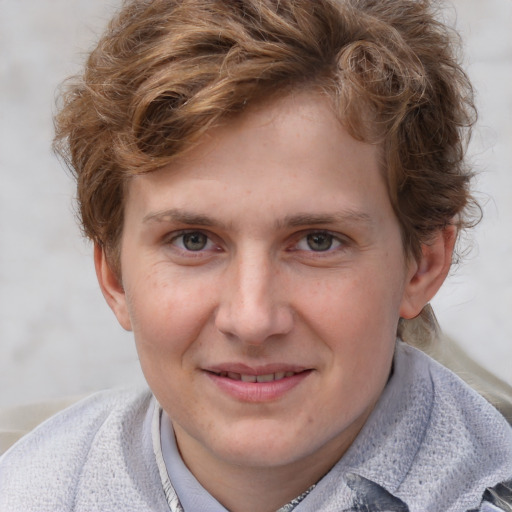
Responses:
[111,288]
[429,273]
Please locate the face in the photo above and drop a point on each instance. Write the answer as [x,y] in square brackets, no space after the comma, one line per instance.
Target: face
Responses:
[263,275]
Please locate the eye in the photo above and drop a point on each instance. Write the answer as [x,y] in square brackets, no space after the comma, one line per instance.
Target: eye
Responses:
[193,241]
[319,241]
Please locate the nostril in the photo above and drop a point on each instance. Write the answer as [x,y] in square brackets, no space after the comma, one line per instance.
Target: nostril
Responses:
[254,326]
[251,309]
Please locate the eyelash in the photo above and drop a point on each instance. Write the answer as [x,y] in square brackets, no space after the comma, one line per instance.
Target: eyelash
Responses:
[334,242]
[178,240]
[175,239]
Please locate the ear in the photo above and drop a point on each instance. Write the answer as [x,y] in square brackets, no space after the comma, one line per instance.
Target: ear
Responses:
[428,274]
[111,288]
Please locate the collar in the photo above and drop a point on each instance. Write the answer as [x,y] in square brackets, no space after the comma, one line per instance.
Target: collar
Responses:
[431,443]
[185,493]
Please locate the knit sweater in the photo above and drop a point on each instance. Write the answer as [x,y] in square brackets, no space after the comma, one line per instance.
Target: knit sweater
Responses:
[430,445]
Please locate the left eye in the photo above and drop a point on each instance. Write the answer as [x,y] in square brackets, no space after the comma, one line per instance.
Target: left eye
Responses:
[318,242]
[193,241]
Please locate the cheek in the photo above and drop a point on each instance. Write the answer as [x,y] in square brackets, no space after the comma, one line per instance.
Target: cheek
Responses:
[167,313]
[356,317]
[353,305]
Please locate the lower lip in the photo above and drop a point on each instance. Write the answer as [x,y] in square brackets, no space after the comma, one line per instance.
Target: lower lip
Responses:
[258,392]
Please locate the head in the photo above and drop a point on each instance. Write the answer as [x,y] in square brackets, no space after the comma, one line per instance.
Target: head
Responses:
[167,71]
[174,84]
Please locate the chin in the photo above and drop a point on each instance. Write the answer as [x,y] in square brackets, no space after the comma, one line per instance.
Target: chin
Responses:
[265,446]
[259,455]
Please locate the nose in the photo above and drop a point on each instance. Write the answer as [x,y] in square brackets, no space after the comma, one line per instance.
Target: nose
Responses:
[253,307]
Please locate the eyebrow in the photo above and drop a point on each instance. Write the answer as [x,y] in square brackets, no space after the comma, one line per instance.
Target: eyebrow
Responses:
[181,216]
[343,216]
[297,220]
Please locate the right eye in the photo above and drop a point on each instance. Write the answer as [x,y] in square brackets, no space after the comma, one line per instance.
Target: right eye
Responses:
[320,242]
[192,241]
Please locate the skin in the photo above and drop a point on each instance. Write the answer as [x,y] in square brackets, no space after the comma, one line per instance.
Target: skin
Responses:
[271,246]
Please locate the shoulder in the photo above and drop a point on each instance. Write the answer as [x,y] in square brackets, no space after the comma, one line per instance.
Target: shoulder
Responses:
[458,411]
[87,449]
[431,441]
[466,445]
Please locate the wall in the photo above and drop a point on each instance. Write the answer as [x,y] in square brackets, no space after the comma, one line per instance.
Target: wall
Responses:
[58,338]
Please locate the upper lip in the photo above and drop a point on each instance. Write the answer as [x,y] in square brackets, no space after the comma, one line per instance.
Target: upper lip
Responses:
[266,369]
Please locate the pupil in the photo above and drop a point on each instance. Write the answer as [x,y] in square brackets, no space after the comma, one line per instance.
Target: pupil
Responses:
[194,241]
[319,241]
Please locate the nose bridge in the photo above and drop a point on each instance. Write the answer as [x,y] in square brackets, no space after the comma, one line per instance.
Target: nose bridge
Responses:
[252,309]
[254,285]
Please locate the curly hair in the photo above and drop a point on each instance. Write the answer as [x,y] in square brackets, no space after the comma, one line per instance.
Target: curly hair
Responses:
[166,71]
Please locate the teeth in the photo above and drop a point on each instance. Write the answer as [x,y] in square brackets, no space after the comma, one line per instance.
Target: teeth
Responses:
[269,377]
[265,378]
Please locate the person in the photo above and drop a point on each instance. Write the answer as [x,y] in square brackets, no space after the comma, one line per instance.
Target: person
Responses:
[274,189]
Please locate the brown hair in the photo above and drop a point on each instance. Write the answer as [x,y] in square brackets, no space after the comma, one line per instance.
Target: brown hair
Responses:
[168,70]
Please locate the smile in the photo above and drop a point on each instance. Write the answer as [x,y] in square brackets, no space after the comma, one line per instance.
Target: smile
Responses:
[257,386]
[269,377]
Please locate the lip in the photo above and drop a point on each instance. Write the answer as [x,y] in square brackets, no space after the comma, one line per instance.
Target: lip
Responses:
[257,392]
[255,370]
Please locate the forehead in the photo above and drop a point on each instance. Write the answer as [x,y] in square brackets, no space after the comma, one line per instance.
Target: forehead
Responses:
[293,148]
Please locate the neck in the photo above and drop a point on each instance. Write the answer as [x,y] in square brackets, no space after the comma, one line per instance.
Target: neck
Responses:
[264,488]
[255,489]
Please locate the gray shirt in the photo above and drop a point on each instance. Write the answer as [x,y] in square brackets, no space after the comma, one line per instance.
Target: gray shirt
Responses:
[430,444]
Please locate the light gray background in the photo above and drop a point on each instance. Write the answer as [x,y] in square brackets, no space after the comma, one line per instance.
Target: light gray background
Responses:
[58,337]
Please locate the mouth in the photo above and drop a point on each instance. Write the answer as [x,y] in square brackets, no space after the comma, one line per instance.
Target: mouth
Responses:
[258,385]
[267,377]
